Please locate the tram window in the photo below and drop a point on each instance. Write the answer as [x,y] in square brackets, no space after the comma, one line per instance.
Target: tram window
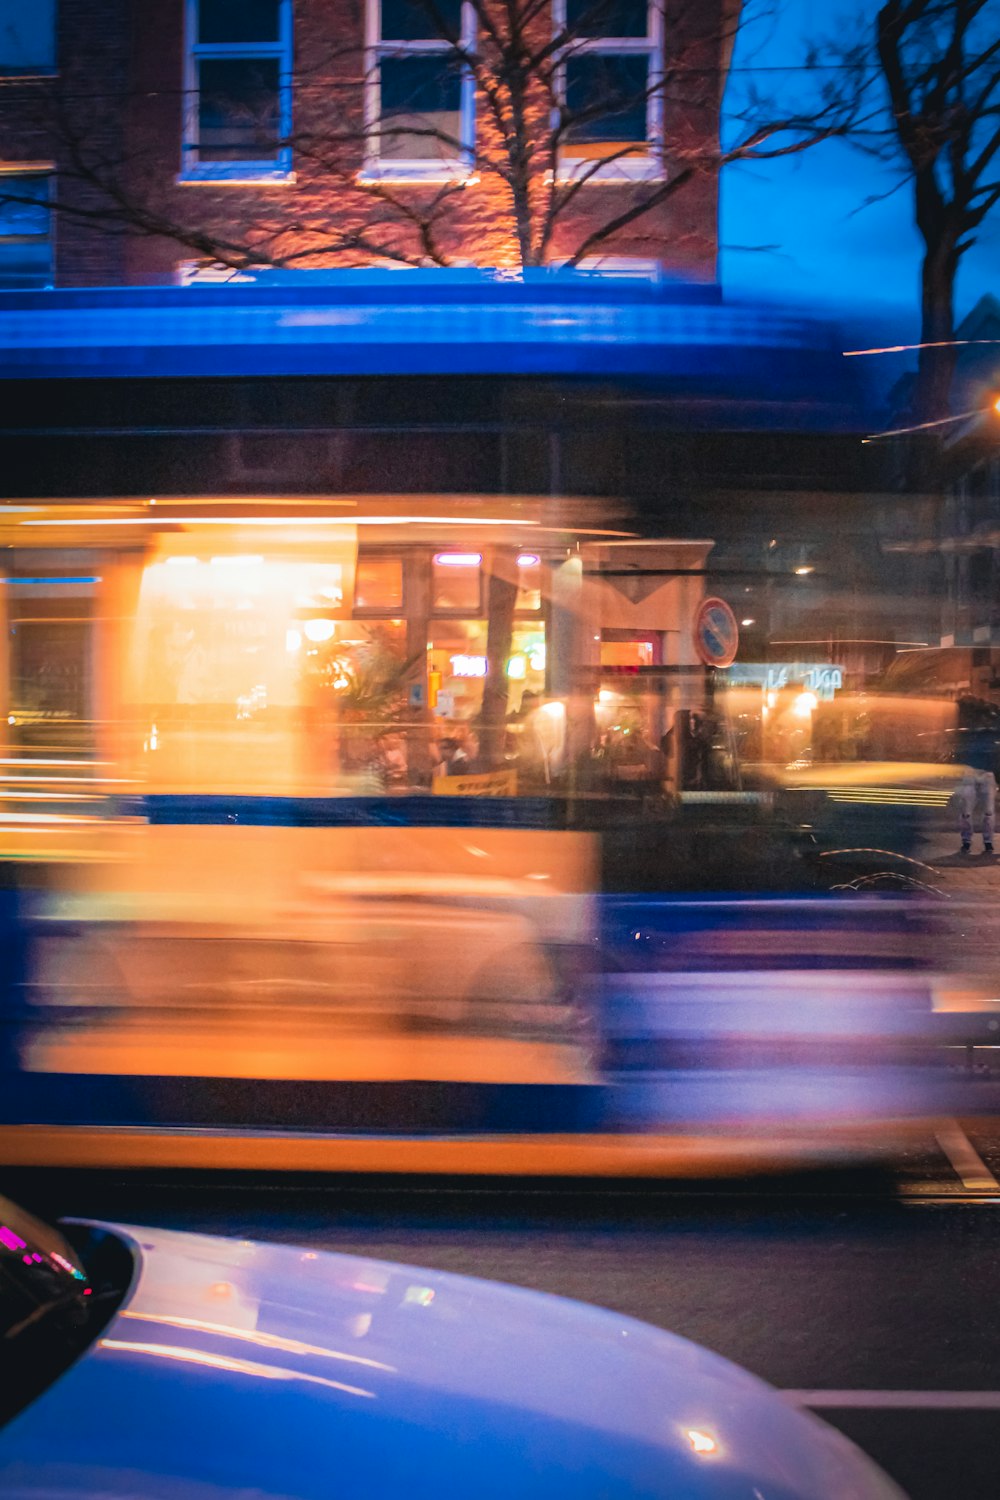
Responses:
[50,679]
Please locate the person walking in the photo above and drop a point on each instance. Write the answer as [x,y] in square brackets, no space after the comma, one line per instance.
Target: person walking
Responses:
[976,746]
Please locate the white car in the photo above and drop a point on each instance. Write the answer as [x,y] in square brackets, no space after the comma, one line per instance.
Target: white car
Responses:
[153,1365]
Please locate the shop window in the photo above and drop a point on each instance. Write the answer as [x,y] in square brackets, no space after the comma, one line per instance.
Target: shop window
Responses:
[634,653]
[457,581]
[27,36]
[378,582]
[526,665]
[420,99]
[456,667]
[25,234]
[610,96]
[360,670]
[238,89]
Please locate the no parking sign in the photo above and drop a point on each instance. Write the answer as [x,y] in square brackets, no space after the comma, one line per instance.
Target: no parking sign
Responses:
[716,633]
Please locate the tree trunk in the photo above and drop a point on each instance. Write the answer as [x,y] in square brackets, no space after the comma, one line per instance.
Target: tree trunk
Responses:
[936,366]
[519,161]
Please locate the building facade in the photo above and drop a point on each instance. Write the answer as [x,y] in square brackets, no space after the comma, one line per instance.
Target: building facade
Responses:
[146,144]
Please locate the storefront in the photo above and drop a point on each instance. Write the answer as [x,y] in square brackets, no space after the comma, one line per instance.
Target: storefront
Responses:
[311,647]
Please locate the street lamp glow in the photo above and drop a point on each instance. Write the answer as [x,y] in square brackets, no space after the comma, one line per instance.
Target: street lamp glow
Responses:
[801,572]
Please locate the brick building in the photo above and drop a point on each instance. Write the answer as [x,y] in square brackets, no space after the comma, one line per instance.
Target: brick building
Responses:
[332,133]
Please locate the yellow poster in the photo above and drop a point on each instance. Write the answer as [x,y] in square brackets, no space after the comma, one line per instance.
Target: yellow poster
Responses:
[479,784]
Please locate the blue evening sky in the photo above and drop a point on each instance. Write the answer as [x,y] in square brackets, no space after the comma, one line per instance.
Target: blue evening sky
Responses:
[830,256]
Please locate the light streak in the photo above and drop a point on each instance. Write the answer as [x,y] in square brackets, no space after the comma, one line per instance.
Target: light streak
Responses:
[230,1365]
[904,348]
[875,437]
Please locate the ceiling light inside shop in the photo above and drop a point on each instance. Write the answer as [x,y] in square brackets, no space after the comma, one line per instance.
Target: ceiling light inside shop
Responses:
[319,630]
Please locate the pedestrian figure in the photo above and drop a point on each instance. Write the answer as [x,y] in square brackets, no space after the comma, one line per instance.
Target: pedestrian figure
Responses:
[976,751]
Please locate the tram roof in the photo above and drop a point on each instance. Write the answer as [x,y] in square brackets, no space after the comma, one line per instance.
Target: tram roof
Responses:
[424,322]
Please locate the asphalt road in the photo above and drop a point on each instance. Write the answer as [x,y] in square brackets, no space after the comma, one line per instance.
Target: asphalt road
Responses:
[857,1290]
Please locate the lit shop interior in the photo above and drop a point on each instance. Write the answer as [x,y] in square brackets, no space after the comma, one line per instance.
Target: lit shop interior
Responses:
[326,647]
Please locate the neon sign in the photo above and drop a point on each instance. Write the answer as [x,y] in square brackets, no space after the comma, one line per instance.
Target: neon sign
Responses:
[468,666]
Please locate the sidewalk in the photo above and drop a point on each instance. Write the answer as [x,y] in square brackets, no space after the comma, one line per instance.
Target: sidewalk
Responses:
[965,874]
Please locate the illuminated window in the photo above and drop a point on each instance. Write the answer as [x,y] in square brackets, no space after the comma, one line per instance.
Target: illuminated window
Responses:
[457,581]
[456,667]
[25,238]
[27,36]
[420,102]
[636,653]
[526,663]
[378,582]
[238,89]
[610,98]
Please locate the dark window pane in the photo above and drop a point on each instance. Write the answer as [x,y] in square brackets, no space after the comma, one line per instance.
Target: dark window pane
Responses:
[26,209]
[27,35]
[238,20]
[238,117]
[49,670]
[607,17]
[420,20]
[421,108]
[25,263]
[606,98]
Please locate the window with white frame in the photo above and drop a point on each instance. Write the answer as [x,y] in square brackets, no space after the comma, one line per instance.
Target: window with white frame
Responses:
[25,230]
[420,104]
[610,76]
[27,36]
[239,97]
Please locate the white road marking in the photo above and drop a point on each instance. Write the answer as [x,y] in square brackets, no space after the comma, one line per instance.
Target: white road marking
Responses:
[898,1400]
[964,1157]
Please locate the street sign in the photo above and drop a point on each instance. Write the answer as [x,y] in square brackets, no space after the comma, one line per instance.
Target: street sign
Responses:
[716,633]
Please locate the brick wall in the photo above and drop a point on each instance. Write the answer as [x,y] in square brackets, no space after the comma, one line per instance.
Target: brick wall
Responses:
[121,80]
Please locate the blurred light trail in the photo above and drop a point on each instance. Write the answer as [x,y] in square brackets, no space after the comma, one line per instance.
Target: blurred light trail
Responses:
[903,348]
[874,437]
